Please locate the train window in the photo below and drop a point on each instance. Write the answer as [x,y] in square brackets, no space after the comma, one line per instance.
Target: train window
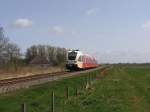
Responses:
[92,61]
[80,58]
[83,59]
[72,55]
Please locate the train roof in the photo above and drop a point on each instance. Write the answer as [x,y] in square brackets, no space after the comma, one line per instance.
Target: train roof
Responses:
[82,53]
[77,51]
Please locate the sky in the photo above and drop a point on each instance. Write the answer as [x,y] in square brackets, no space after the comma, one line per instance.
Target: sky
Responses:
[112,30]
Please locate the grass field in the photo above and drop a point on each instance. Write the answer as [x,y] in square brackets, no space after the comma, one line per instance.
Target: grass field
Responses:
[124,88]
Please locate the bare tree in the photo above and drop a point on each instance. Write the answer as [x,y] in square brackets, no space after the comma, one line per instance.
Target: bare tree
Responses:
[54,55]
[8,50]
[41,50]
[3,45]
[13,51]
[31,53]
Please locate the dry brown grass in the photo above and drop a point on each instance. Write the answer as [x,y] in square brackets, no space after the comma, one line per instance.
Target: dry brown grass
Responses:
[26,71]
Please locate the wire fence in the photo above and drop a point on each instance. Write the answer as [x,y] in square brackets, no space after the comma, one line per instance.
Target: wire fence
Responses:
[58,104]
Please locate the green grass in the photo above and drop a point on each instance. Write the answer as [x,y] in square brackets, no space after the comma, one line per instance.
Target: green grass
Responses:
[38,98]
[124,88]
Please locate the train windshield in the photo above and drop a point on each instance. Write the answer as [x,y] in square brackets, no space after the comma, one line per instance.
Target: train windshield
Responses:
[72,55]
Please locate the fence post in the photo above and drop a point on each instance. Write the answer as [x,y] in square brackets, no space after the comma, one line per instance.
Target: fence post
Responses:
[63,105]
[83,84]
[76,89]
[67,92]
[52,101]
[87,83]
[89,78]
[23,107]
[93,75]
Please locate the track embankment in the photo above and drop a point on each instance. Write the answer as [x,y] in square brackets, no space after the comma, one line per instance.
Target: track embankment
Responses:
[9,85]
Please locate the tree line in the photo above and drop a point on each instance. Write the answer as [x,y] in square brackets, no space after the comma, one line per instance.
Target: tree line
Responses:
[10,53]
[53,55]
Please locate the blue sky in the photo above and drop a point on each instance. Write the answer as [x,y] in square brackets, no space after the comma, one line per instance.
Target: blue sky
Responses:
[113,30]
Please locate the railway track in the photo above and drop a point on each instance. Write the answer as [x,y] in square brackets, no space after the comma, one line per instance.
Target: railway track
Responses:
[28,78]
[8,85]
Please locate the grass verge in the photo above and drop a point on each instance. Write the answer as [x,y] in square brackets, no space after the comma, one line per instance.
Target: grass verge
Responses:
[124,88]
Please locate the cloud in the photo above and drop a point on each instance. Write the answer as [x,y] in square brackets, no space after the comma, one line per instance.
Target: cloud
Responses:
[22,23]
[91,11]
[57,30]
[146,24]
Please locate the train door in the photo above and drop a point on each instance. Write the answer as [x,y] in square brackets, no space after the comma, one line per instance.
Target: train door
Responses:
[80,61]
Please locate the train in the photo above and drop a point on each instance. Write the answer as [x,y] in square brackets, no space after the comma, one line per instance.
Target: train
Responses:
[77,60]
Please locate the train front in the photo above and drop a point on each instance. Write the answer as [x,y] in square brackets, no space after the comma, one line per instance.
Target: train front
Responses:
[71,60]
